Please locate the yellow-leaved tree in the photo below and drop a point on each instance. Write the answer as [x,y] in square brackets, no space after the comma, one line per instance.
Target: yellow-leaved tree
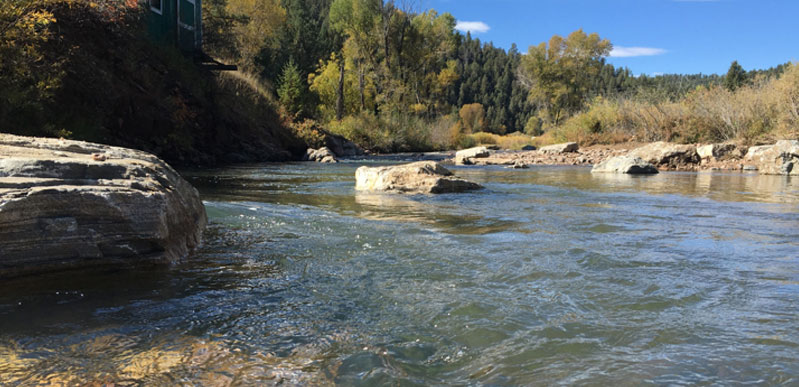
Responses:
[559,74]
[27,79]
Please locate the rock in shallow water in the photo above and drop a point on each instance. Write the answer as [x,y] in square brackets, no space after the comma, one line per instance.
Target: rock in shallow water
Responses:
[466,156]
[781,158]
[69,204]
[565,147]
[667,155]
[625,164]
[420,177]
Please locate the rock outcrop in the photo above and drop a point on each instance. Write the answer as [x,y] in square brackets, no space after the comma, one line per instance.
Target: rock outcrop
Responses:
[321,155]
[424,177]
[467,156]
[625,164]
[70,204]
[781,158]
[668,155]
[566,147]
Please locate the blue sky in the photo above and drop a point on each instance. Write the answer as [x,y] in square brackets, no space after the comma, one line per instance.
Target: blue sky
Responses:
[650,36]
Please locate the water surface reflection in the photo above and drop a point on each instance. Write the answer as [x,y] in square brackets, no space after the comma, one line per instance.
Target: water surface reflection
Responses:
[548,276]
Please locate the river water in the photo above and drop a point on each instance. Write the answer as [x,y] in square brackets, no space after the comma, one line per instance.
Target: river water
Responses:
[549,275]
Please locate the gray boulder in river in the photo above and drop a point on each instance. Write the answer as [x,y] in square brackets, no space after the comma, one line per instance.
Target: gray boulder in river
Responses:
[420,177]
[565,147]
[625,164]
[781,158]
[71,204]
[667,154]
[466,156]
[321,155]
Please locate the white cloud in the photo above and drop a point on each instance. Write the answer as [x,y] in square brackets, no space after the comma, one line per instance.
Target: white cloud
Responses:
[472,26]
[627,52]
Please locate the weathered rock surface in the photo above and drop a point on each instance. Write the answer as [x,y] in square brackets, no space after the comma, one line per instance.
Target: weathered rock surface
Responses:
[467,156]
[668,155]
[341,147]
[566,147]
[420,177]
[720,151]
[625,164]
[781,158]
[321,155]
[68,204]
[756,151]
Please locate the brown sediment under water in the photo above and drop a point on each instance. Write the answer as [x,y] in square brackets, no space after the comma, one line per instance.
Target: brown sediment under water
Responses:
[549,275]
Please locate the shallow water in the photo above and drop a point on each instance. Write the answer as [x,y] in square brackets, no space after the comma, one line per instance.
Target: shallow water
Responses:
[550,275]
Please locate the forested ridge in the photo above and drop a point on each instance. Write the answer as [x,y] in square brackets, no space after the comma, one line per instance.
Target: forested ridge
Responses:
[395,78]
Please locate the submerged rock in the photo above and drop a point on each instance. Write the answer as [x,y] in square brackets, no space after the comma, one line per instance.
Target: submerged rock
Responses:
[566,147]
[667,155]
[67,204]
[425,177]
[625,164]
[466,156]
[781,158]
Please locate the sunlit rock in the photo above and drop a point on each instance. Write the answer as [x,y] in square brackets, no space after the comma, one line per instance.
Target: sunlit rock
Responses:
[781,158]
[625,164]
[420,177]
[565,147]
[666,154]
[519,164]
[63,207]
[466,156]
[321,155]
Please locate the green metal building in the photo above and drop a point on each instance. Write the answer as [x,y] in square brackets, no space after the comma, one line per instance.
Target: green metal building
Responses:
[177,22]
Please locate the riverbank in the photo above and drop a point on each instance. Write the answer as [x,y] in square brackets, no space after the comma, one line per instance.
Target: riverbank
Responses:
[665,156]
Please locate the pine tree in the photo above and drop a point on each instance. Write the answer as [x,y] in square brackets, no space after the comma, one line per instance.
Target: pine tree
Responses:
[290,89]
[735,78]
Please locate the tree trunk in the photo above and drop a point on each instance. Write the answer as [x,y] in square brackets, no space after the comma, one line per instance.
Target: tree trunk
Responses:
[361,86]
[340,93]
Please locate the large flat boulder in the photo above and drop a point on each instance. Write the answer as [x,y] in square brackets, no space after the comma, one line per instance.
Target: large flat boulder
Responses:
[566,147]
[426,177]
[70,204]
[467,156]
[667,155]
[625,164]
[781,158]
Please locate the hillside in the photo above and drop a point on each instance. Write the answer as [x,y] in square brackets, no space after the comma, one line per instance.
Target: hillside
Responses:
[94,75]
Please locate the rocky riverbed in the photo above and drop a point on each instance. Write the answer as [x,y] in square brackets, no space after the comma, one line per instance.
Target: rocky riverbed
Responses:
[781,158]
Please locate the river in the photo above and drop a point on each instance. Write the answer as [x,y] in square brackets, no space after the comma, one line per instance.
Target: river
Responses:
[550,275]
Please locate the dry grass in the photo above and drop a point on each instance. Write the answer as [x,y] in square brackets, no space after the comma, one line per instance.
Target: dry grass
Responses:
[766,110]
[513,141]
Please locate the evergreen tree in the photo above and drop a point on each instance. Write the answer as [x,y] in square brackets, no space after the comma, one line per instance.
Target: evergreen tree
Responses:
[736,77]
[291,89]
